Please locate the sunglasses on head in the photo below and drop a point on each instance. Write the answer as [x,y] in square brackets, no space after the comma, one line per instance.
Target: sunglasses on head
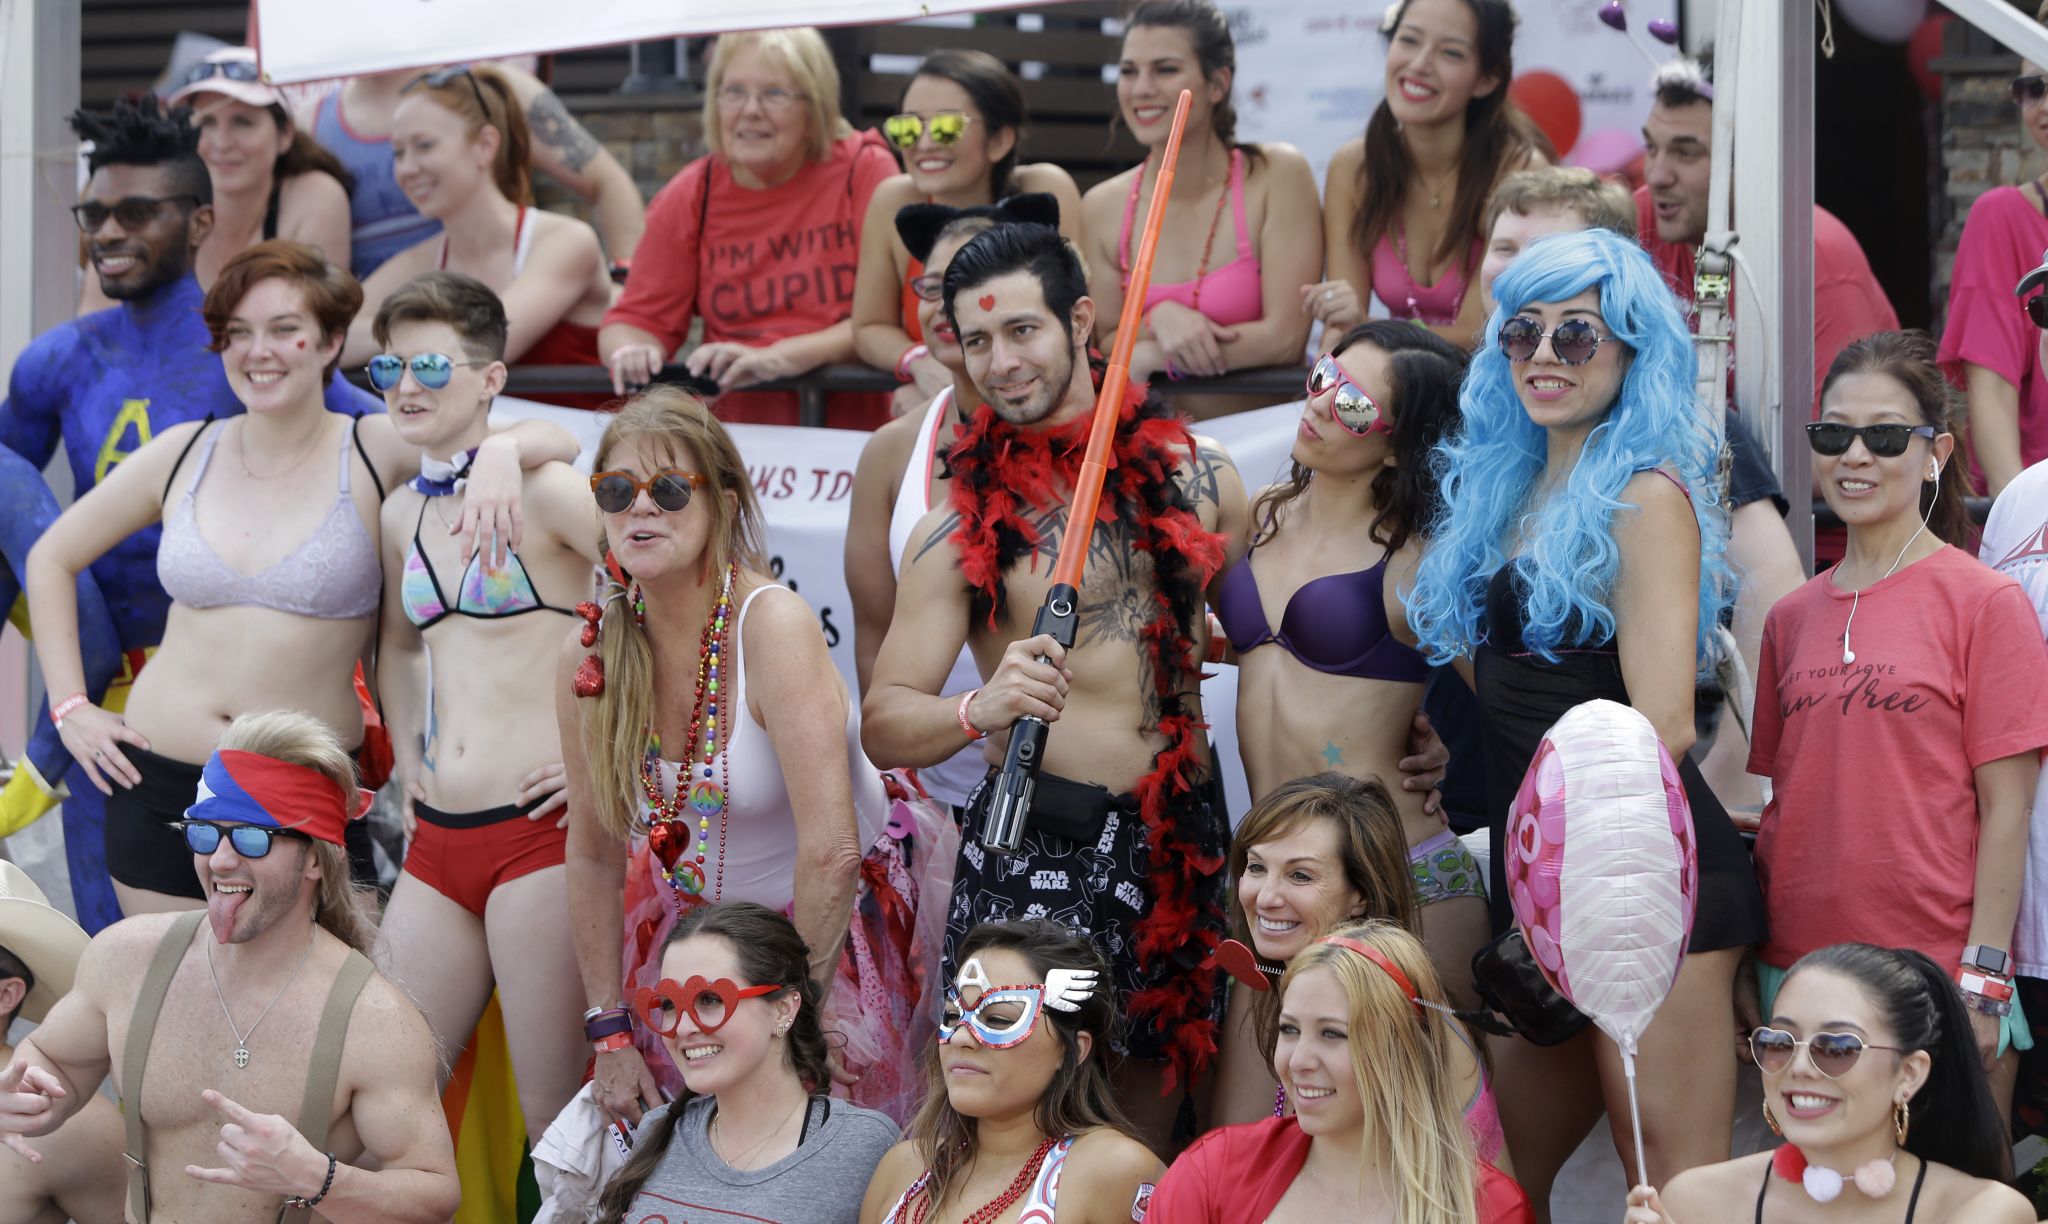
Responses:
[708,1004]
[1884,441]
[946,128]
[440,77]
[2029,89]
[670,488]
[1832,1054]
[430,370]
[1574,340]
[249,841]
[1352,408]
[133,212]
[233,70]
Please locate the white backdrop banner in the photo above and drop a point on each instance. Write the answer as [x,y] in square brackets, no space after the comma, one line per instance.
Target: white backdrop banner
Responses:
[307,40]
[804,478]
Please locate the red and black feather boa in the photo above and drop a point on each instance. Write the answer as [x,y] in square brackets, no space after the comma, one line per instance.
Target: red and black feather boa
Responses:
[1003,477]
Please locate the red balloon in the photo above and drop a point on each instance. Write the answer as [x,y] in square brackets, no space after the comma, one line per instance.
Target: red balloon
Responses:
[1922,49]
[1552,103]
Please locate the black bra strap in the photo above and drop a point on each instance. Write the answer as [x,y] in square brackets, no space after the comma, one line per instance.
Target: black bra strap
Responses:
[355,432]
[1763,1190]
[189,444]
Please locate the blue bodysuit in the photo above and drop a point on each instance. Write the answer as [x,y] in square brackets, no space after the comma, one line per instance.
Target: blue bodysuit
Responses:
[104,385]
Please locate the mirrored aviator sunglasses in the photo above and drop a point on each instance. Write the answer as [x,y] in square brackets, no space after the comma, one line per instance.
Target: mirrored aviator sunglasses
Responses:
[1574,340]
[430,370]
[671,489]
[1354,410]
[946,127]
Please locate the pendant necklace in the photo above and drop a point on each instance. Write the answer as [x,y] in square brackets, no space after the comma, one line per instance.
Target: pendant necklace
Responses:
[242,1038]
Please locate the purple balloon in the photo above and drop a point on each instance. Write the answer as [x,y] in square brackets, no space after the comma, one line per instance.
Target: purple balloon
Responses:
[1664,32]
[1614,15]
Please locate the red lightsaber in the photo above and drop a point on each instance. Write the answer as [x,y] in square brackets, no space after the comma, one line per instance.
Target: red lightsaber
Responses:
[1059,616]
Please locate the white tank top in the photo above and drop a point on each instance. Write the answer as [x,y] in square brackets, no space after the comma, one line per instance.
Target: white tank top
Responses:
[760,836]
[953,779]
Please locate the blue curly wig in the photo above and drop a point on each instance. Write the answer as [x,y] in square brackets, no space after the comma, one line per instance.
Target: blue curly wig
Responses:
[1488,469]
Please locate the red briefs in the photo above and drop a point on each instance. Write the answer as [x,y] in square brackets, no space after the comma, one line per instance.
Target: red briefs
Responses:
[464,855]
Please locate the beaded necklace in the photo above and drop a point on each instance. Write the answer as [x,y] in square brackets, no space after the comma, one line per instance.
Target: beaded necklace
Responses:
[1208,244]
[667,833]
[994,1207]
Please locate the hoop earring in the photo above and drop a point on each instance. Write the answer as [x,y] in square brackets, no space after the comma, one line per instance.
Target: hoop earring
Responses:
[1771,1120]
[1902,1120]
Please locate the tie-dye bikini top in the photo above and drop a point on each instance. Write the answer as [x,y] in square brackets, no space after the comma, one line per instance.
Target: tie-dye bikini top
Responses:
[487,592]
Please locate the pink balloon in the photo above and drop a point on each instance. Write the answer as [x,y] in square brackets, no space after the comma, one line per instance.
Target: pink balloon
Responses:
[1607,151]
[1602,871]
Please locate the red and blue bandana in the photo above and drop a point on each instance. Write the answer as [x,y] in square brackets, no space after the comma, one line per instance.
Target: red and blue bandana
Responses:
[248,788]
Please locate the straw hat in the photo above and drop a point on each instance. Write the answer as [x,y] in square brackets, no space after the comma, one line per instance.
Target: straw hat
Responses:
[40,937]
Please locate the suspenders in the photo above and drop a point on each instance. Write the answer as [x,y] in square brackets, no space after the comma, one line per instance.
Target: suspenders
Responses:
[316,1110]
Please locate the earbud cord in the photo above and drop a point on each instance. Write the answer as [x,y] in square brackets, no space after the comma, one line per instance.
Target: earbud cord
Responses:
[1856,600]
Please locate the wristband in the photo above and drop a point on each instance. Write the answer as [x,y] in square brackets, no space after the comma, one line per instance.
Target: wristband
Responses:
[607,1023]
[973,732]
[1995,989]
[913,353]
[325,1186]
[64,709]
[1987,1005]
[616,1041]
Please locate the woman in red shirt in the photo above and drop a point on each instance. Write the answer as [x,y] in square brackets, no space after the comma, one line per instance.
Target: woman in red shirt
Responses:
[1909,730]
[760,238]
[1377,1135]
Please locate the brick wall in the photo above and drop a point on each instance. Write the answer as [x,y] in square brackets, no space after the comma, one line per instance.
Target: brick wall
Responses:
[1982,145]
[652,135]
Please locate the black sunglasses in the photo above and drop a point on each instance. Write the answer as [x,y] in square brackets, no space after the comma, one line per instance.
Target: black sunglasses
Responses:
[440,77]
[2037,310]
[2029,89]
[233,70]
[1832,1054]
[133,212]
[249,841]
[670,489]
[1885,441]
[1574,340]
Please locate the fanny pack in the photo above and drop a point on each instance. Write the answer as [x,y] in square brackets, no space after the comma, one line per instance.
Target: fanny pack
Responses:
[1062,807]
[1512,986]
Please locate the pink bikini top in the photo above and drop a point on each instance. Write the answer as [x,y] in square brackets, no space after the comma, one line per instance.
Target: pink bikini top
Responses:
[1393,284]
[1228,295]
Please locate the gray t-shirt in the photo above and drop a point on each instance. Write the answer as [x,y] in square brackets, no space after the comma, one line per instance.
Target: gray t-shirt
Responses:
[821,1182]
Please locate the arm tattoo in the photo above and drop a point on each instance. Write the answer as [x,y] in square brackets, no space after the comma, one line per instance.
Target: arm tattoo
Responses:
[1202,483]
[940,535]
[552,124]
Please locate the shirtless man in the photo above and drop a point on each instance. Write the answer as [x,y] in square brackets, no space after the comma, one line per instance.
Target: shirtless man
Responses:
[223,1022]
[73,1177]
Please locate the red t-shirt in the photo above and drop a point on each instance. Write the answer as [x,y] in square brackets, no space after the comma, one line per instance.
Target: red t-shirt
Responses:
[1240,1173]
[1871,831]
[758,266]
[2002,242]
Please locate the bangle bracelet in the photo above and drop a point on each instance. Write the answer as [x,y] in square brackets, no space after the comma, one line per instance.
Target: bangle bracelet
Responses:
[325,1186]
[616,1041]
[65,708]
[607,1024]
[913,353]
[973,732]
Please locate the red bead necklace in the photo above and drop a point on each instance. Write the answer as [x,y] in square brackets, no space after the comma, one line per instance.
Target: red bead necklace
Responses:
[667,832]
[995,1207]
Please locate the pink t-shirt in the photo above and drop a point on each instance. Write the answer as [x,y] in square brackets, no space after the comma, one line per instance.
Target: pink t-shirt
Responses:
[2002,241]
[1871,831]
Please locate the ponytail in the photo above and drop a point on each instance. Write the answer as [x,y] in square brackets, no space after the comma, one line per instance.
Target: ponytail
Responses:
[650,1144]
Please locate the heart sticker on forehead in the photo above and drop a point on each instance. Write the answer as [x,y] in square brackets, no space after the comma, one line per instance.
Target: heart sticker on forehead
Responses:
[988,301]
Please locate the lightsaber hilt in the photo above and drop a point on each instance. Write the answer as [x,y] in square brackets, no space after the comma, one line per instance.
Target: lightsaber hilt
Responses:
[1003,828]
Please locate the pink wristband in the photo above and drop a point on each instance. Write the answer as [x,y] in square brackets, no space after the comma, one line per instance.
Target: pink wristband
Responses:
[64,708]
[910,354]
[973,732]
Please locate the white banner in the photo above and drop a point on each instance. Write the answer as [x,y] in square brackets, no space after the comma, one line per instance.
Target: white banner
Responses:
[1310,72]
[804,479]
[310,40]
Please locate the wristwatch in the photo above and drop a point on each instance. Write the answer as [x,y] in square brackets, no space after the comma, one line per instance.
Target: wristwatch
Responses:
[1988,959]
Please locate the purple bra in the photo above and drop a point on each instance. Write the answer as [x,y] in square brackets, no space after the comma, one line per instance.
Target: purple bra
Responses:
[1335,624]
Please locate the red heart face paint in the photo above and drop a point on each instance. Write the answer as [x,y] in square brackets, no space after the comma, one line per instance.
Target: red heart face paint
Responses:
[988,301]
[302,344]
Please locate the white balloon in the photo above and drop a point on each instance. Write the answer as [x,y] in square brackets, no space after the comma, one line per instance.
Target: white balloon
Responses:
[1885,21]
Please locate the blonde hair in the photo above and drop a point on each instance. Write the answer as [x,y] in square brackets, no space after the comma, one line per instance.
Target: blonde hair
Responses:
[491,104]
[1401,1065]
[615,723]
[1599,203]
[303,740]
[802,53]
